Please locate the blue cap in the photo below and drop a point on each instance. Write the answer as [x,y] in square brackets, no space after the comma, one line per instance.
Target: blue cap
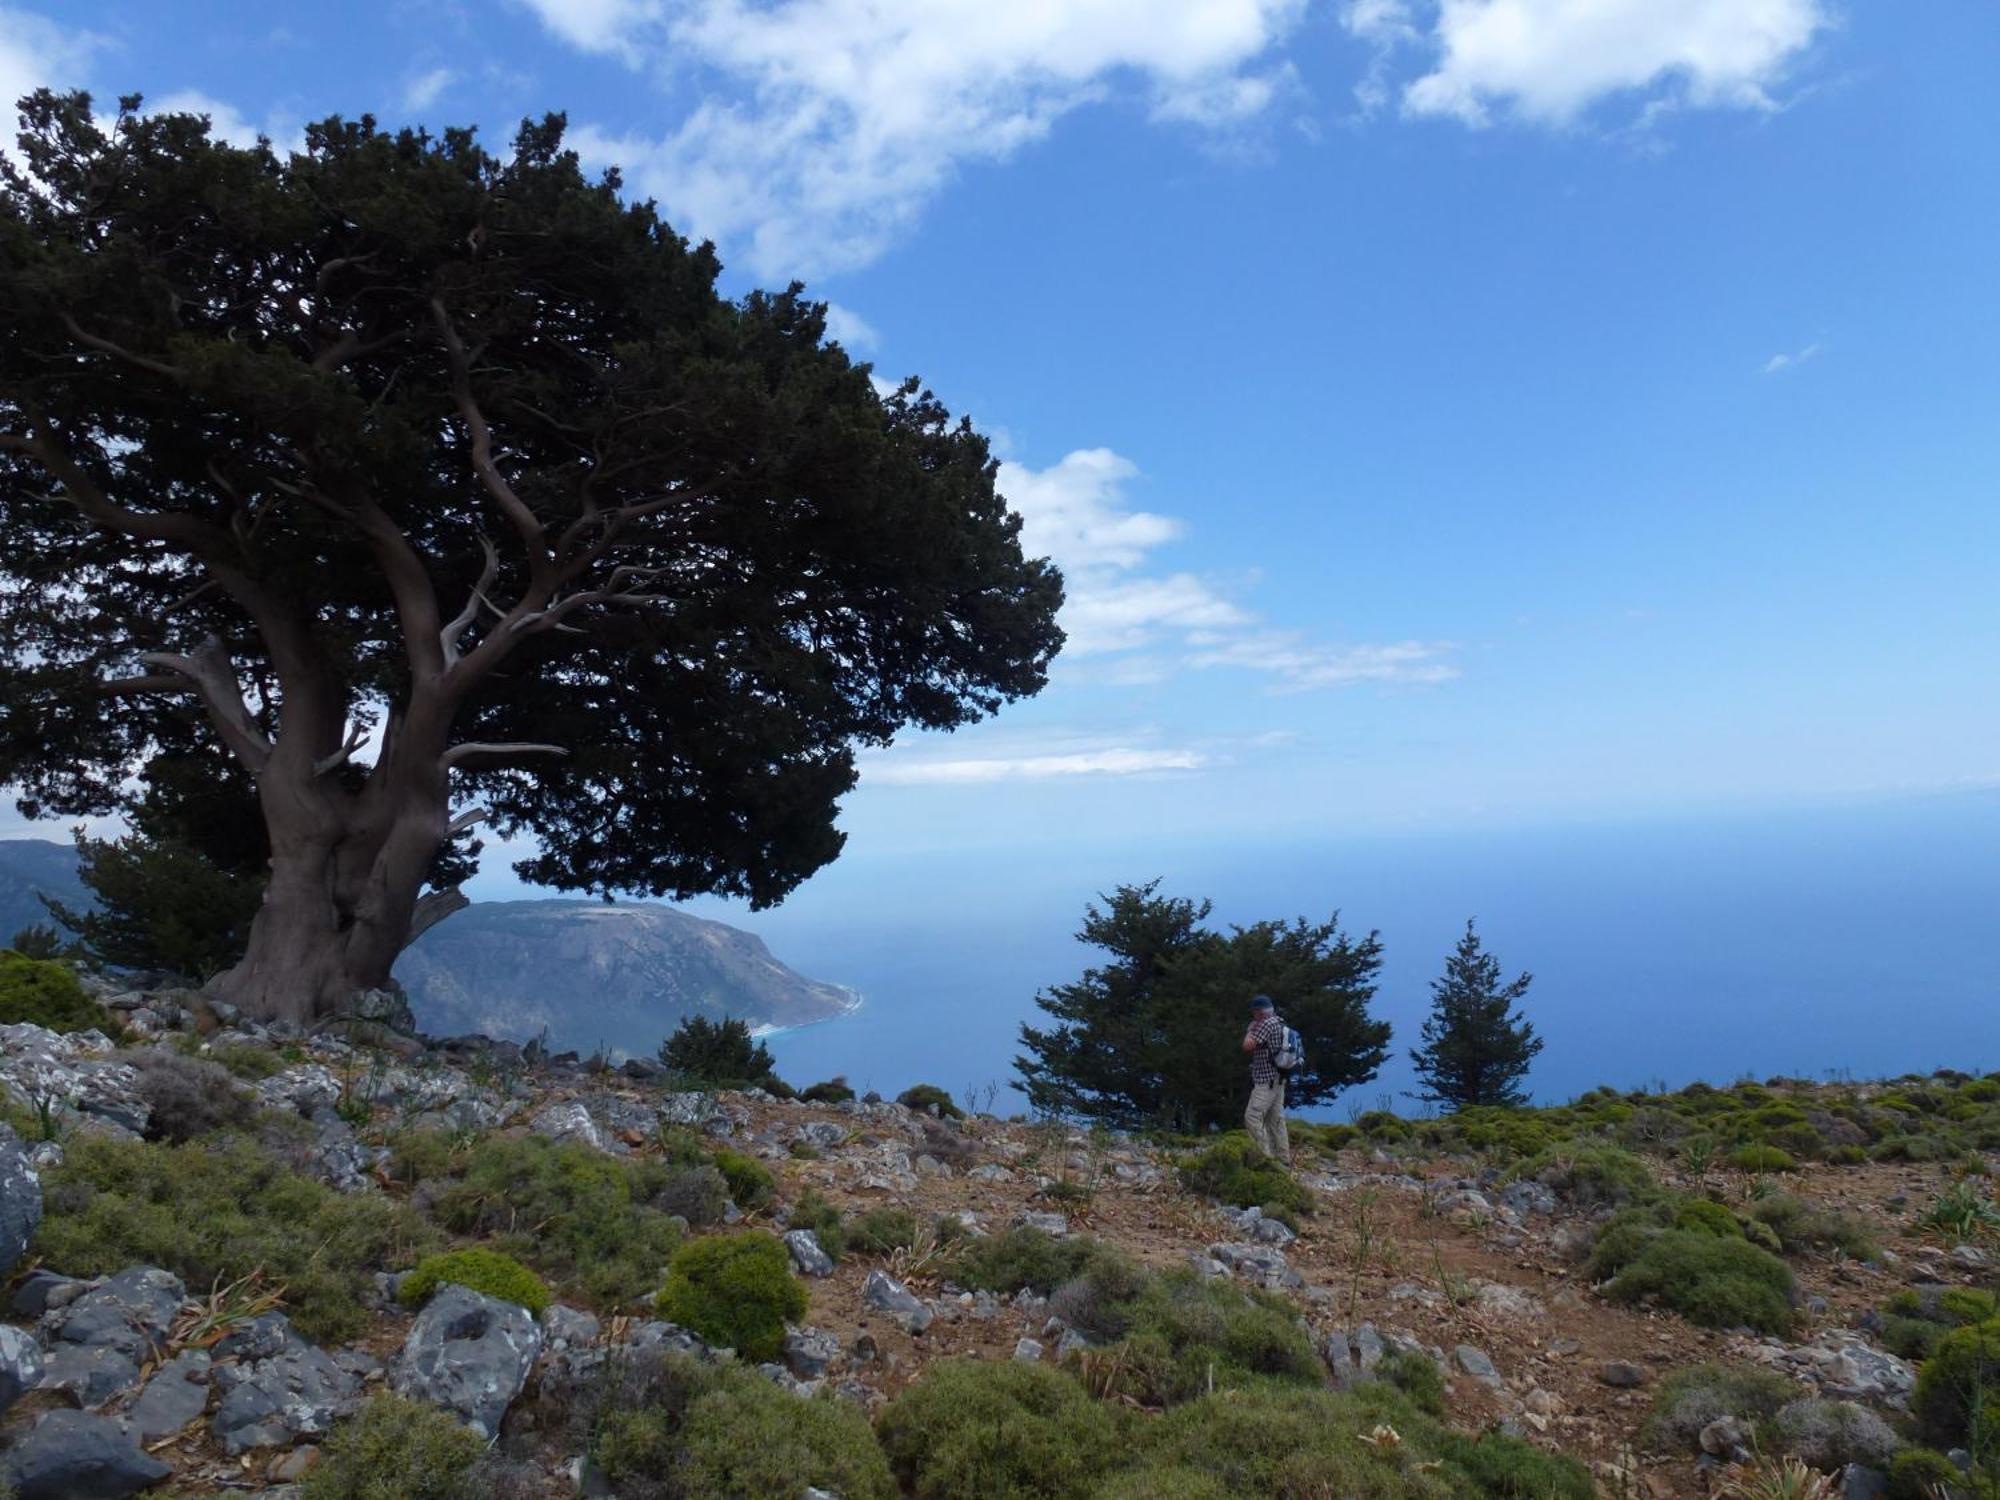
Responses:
[1261,1002]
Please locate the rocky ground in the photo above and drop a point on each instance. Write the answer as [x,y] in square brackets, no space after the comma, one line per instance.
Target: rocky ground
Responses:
[120,1382]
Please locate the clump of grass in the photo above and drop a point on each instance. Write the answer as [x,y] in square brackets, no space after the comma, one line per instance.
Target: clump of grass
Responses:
[1588,1175]
[486,1271]
[1761,1158]
[881,1231]
[1800,1226]
[1024,1258]
[1235,1172]
[735,1290]
[217,1211]
[751,1185]
[1186,1335]
[1688,1400]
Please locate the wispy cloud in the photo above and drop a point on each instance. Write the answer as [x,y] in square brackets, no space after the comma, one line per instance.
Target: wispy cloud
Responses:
[423,90]
[228,123]
[849,329]
[975,770]
[1778,363]
[1550,61]
[824,127]
[1132,623]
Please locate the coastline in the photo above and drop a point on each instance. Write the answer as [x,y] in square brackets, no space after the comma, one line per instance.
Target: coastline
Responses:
[855,1002]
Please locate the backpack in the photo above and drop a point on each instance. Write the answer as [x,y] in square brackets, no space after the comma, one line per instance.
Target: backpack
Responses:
[1291,1053]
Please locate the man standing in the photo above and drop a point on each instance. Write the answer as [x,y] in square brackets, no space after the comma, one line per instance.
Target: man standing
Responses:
[1266,1115]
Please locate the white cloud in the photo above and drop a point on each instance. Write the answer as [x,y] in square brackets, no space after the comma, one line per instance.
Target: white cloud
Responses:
[36,53]
[425,89]
[971,770]
[1778,363]
[849,329]
[226,122]
[1549,61]
[1149,623]
[828,124]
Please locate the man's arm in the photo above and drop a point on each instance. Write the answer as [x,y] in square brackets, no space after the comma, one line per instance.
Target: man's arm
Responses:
[1250,1038]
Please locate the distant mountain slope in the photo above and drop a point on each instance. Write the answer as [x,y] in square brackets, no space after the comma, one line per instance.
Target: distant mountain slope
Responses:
[621,975]
[30,868]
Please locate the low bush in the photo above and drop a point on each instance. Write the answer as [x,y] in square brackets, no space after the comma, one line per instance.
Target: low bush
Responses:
[929,1099]
[1830,1435]
[217,1210]
[1186,1335]
[1688,1400]
[814,1212]
[1590,1175]
[698,1194]
[751,1185]
[832,1091]
[881,1231]
[663,1426]
[1235,1172]
[1957,1403]
[1926,1474]
[186,1096]
[248,1061]
[1024,1258]
[1417,1377]
[735,1290]
[1800,1226]
[599,1225]
[1705,1216]
[1312,1443]
[398,1449]
[974,1430]
[42,992]
[486,1271]
[1718,1283]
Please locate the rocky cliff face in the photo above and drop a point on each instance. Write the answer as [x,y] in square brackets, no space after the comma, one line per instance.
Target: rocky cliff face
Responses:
[619,976]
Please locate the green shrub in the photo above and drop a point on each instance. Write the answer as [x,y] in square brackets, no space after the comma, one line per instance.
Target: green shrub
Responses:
[248,1061]
[832,1091]
[666,1427]
[1957,1403]
[751,1185]
[1383,1125]
[1830,1435]
[1848,1155]
[735,1290]
[881,1231]
[1688,1400]
[217,1210]
[598,1225]
[1755,1158]
[1235,1172]
[1923,1474]
[720,1054]
[1718,1283]
[1417,1377]
[42,992]
[1705,1216]
[1186,1334]
[486,1271]
[1799,1227]
[1308,1444]
[1590,1175]
[928,1098]
[1022,1258]
[973,1430]
[397,1449]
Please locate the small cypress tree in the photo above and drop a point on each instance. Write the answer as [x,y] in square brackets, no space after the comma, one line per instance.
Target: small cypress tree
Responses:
[717,1052]
[1477,1047]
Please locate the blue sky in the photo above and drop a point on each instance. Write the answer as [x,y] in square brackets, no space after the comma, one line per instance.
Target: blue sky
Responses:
[1487,413]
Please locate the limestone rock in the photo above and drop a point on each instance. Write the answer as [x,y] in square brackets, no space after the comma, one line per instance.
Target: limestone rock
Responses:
[470,1354]
[72,1455]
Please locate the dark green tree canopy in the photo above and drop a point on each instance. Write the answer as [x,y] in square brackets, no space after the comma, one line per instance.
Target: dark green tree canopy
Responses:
[413,476]
[1476,1046]
[1153,1036]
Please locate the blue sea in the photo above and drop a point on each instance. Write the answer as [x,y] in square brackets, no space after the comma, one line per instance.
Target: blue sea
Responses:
[1862,940]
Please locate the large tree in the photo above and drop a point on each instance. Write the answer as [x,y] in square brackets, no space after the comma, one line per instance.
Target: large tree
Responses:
[1476,1046]
[446,485]
[1153,1036]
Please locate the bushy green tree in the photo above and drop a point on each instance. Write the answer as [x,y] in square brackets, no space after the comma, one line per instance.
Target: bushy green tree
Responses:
[1477,1047]
[160,905]
[718,1052]
[429,483]
[1153,1036]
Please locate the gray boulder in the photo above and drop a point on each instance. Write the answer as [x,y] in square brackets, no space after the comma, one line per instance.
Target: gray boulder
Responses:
[470,1354]
[569,1121]
[304,1090]
[884,1293]
[98,1342]
[73,1075]
[20,1200]
[20,1365]
[277,1388]
[807,1254]
[810,1353]
[174,1397]
[72,1455]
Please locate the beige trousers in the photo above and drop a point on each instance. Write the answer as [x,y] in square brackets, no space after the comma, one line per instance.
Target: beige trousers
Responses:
[1266,1121]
